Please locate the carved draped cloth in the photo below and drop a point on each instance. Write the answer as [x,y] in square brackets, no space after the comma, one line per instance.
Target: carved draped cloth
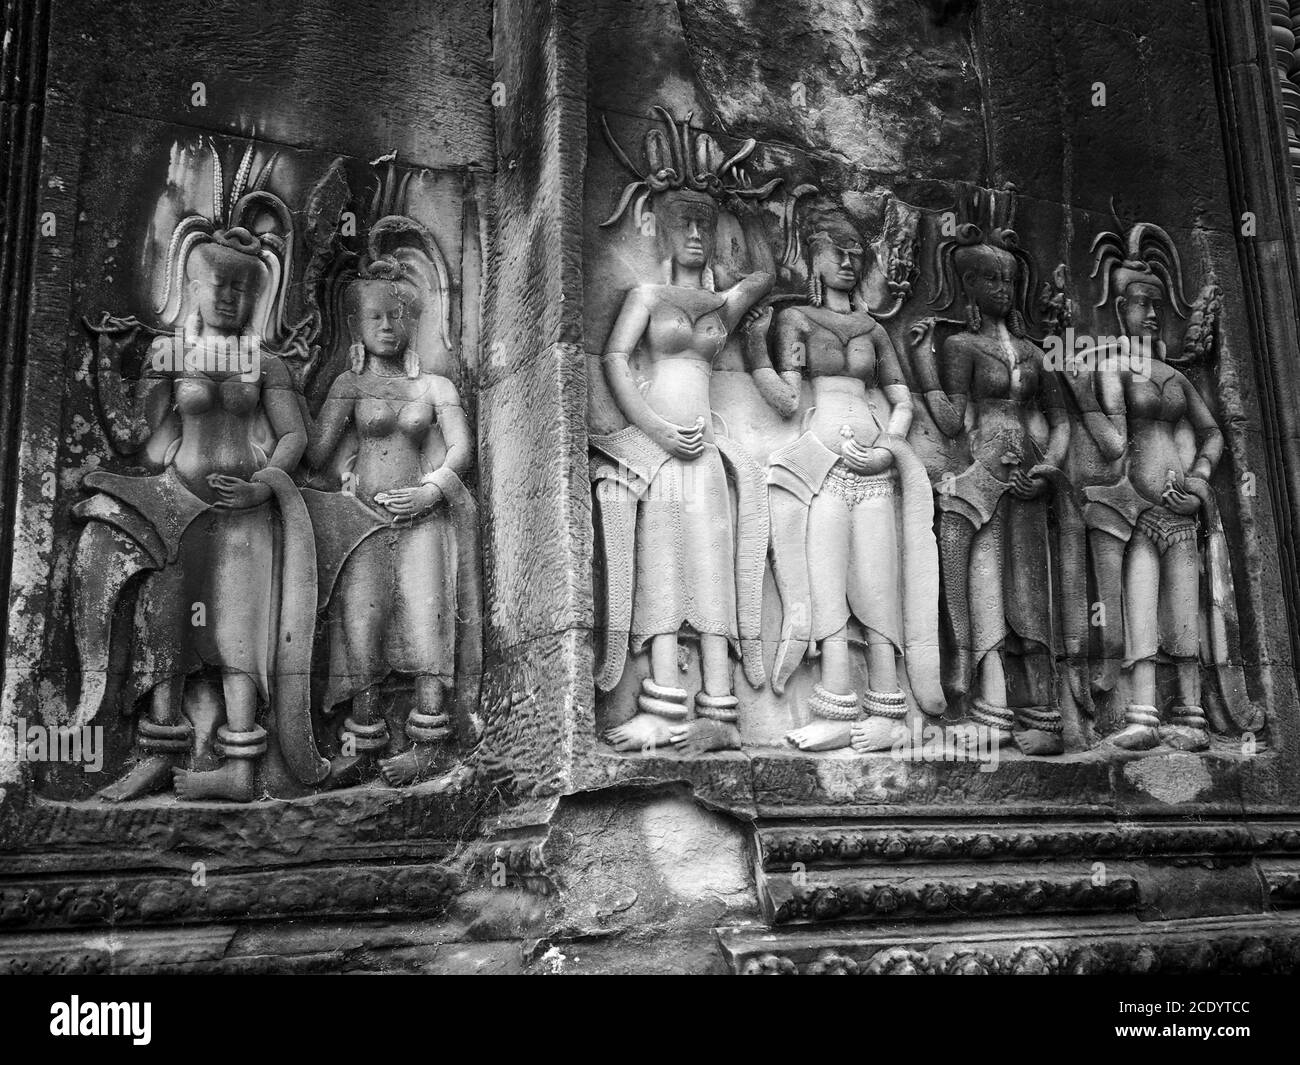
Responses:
[230,589]
[400,596]
[675,556]
[831,536]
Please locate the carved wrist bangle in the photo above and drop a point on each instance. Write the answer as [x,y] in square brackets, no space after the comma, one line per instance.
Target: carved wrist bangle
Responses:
[440,478]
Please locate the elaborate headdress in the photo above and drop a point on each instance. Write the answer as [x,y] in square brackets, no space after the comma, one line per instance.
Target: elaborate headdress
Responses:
[404,254]
[228,225]
[1146,253]
[682,161]
[982,231]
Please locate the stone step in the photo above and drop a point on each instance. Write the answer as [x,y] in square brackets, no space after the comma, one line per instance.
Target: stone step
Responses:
[1267,943]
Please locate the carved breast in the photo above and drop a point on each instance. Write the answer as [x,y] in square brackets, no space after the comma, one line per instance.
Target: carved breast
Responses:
[1148,400]
[380,418]
[199,395]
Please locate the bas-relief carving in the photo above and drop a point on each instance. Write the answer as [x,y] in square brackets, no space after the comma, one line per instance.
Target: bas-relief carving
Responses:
[1055,497]
[268,522]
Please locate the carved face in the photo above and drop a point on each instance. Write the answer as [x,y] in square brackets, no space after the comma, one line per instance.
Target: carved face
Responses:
[838,265]
[224,286]
[990,280]
[1141,309]
[385,318]
[687,225]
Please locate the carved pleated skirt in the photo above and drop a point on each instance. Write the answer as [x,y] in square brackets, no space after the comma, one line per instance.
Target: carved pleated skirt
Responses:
[854,563]
[1010,577]
[216,604]
[685,552]
[393,609]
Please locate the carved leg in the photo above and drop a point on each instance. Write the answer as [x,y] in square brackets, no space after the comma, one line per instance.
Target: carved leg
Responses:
[714,727]
[661,704]
[989,709]
[1180,605]
[1142,717]
[834,703]
[1106,616]
[163,739]
[363,734]
[955,536]
[1039,728]
[883,703]
[428,727]
[1141,643]
[241,741]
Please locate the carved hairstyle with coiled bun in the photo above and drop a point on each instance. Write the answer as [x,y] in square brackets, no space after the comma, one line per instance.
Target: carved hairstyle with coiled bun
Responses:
[393,273]
[971,248]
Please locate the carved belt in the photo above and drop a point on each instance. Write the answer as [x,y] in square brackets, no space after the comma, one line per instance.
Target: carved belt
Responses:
[853,488]
[1164,528]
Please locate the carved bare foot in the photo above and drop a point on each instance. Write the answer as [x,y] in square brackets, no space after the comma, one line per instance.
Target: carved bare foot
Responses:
[821,736]
[1140,733]
[453,781]
[642,732]
[233,782]
[704,735]
[411,766]
[1182,738]
[1186,729]
[1136,738]
[875,733]
[150,774]
[1036,741]
[346,771]
[1038,731]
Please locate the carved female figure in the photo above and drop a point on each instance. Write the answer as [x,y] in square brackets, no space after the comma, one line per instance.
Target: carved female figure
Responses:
[1151,519]
[835,497]
[398,562]
[993,529]
[683,542]
[206,527]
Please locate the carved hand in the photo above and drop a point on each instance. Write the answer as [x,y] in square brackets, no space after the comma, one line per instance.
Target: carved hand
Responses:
[1029,485]
[682,442]
[234,493]
[408,502]
[1181,502]
[866,460]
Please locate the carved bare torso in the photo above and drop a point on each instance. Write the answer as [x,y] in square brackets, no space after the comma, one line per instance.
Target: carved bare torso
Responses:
[686,331]
[843,360]
[394,417]
[1156,404]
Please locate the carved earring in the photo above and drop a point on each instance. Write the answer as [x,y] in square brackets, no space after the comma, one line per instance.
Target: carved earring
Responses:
[815,294]
[411,363]
[357,354]
[973,318]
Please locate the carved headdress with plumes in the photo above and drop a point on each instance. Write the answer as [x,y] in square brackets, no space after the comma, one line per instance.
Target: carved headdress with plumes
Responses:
[232,222]
[679,160]
[985,233]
